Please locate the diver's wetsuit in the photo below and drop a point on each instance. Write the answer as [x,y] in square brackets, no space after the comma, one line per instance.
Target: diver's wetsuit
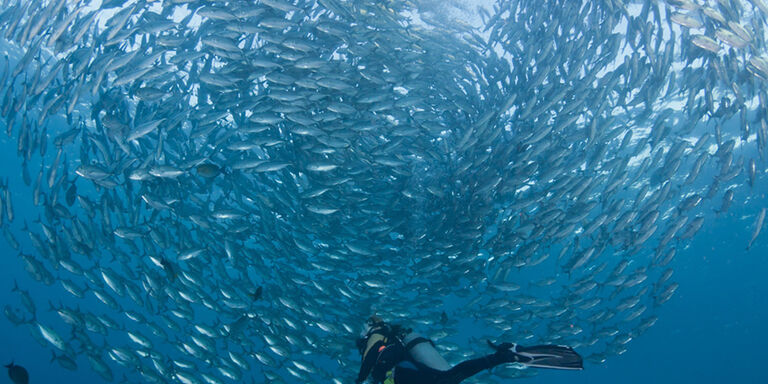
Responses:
[413,372]
[383,354]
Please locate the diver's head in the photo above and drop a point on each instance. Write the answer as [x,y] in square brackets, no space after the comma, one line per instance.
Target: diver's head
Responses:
[374,322]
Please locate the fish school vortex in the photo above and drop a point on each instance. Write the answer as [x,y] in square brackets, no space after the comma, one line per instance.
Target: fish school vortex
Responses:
[224,190]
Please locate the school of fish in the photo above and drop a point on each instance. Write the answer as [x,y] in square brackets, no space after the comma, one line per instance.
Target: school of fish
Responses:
[238,184]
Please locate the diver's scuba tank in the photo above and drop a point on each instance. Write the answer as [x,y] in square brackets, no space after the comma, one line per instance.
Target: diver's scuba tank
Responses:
[423,350]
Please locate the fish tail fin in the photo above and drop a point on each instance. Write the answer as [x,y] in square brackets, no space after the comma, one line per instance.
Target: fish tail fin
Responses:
[53,356]
[73,332]
[15,286]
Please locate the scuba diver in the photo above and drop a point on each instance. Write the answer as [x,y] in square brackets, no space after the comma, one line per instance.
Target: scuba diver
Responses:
[392,354]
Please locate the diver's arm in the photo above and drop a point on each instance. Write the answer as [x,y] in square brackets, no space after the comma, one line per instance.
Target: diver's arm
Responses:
[370,360]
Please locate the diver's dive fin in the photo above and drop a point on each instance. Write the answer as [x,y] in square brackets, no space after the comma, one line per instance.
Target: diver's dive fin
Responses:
[541,356]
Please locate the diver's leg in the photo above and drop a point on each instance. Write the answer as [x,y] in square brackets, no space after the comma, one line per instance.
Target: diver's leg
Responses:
[469,368]
[410,372]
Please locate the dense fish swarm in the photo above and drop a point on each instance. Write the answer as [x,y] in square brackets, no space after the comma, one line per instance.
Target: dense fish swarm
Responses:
[238,184]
